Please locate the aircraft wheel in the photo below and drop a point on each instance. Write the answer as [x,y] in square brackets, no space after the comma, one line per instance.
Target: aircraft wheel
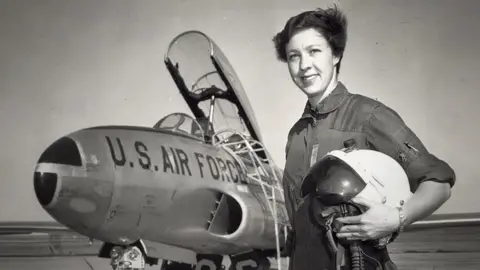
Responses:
[250,261]
[209,262]
[171,265]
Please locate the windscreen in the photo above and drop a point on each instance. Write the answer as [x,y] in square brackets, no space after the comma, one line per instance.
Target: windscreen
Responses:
[183,124]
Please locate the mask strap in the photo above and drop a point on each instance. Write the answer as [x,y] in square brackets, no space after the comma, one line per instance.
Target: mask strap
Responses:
[340,257]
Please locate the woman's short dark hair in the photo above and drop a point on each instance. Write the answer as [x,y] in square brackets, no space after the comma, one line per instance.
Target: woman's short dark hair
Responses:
[330,22]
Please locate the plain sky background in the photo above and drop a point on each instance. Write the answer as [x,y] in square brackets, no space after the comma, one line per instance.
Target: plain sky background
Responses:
[67,65]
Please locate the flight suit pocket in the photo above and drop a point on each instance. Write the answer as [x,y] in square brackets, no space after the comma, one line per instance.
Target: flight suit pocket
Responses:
[331,140]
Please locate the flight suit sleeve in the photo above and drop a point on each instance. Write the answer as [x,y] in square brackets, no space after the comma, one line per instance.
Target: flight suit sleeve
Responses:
[287,187]
[388,133]
[289,197]
[290,205]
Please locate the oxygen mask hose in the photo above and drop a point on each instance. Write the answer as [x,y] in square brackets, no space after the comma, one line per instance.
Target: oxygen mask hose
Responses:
[357,262]
[357,258]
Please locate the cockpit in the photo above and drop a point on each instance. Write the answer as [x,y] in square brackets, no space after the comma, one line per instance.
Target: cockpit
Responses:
[184,124]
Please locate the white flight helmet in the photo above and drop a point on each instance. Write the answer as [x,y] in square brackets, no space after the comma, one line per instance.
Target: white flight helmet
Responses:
[342,175]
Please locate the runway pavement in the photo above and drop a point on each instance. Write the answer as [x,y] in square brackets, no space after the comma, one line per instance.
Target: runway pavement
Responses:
[49,251]
[450,248]
[53,252]
[58,263]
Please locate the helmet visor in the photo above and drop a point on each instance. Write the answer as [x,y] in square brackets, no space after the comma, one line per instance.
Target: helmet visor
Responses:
[333,181]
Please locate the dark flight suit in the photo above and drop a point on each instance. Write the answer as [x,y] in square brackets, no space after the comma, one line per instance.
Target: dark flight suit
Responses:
[340,117]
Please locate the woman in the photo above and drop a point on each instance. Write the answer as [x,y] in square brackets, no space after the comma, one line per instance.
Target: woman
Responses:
[312,44]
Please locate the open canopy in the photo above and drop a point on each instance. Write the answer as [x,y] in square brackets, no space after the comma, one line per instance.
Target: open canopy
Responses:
[202,73]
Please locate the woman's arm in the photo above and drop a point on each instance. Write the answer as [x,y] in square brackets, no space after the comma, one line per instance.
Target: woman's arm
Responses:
[430,178]
[428,197]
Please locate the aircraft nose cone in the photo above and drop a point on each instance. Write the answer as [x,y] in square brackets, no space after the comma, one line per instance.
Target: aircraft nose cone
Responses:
[64,151]
[45,185]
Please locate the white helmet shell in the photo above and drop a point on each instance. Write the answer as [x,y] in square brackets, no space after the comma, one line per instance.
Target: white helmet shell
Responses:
[385,180]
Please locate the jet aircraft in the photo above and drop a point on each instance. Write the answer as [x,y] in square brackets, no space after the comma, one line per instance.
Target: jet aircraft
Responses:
[201,183]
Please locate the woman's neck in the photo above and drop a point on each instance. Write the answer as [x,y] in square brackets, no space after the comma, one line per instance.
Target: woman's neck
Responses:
[314,100]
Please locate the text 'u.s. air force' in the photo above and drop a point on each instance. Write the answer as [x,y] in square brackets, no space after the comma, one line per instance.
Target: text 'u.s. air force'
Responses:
[175,160]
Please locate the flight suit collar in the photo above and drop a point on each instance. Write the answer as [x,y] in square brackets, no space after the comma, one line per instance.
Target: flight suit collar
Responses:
[329,104]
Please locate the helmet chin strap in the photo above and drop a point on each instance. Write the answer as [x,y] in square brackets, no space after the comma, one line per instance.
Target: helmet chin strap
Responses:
[324,217]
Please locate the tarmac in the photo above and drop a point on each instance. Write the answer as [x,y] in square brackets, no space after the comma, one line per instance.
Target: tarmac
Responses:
[449,248]
[56,251]
[49,251]
[58,263]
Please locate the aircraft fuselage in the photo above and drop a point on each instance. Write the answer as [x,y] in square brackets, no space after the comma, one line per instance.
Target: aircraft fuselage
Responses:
[120,184]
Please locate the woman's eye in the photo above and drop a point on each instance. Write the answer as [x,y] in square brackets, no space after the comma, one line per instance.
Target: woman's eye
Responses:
[292,57]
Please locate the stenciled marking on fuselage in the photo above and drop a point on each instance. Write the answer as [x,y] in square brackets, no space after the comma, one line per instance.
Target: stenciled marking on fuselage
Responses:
[176,161]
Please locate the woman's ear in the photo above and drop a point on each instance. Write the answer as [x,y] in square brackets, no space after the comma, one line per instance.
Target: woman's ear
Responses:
[336,60]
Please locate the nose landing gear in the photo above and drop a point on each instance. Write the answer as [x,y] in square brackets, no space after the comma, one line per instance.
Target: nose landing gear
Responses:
[123,258]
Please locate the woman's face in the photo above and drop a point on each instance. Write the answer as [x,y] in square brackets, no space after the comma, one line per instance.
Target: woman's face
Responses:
[310,61]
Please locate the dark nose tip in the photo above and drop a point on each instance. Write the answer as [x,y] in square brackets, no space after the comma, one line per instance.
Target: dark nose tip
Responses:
[62,152]
[45,185]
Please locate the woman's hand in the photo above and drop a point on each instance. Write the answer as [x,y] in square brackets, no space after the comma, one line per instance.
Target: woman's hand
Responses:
[378,221]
